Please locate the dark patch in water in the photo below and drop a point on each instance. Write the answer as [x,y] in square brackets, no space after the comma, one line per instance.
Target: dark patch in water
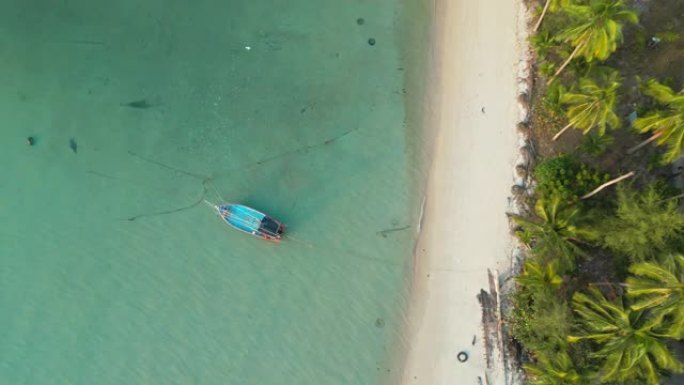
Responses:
[371,41]
[101,174]
[384,232]
[73,145]
[379,323]
[360,21]
[30,140]
[141,104]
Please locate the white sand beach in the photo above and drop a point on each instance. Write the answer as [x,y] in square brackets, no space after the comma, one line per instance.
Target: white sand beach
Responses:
[465,229]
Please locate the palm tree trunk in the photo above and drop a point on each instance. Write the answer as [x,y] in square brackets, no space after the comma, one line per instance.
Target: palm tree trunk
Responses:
[645,142]
[610,182]
[577,119]
[562,131]
[567,61]
[541,17]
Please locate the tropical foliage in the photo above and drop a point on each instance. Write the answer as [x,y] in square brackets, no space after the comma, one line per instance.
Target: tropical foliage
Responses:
[659,287]
[592,104]
[539,319]
[632,344]
[556,232]
[566,178]
[554,369]
[595,29]
[550,6]
[631,238]
[595,144]
[645,224]
[666,125]
[539,278]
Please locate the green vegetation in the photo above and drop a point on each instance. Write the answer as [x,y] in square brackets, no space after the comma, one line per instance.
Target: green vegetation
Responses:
[539,319]
[596,145]
[550,6]
[600,297]
[564,177]
[659,286]
[554,369]
[667,125]
[592,104]
[594,29]
[556,233]
[631,344]
[644,225]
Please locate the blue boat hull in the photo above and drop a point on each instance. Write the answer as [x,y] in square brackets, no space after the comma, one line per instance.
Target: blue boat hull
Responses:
[251,221]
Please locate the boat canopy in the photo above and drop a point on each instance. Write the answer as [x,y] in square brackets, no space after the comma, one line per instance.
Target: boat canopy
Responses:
[242,217]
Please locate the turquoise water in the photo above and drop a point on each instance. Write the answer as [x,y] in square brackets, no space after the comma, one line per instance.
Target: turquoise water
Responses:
[112,271]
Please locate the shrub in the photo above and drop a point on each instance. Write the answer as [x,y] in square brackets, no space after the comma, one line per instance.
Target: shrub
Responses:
[552,97]
[564,177]
[540,321]
[595,144]
[645,224]
[540,318]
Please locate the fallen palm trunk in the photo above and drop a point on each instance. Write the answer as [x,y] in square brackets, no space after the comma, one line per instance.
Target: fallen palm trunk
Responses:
[610,182]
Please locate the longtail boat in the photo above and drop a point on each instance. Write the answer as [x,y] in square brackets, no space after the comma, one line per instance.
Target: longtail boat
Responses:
[250,221]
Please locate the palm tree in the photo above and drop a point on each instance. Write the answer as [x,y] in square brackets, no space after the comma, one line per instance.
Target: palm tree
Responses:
[554,370]
[537,277]
[632,343]
[660,287]
[556,231]
[596,29]
[667,125]
[540,319]
[592,105]
[549,6]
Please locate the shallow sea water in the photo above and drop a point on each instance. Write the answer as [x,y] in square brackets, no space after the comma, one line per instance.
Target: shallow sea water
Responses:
[112,271]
